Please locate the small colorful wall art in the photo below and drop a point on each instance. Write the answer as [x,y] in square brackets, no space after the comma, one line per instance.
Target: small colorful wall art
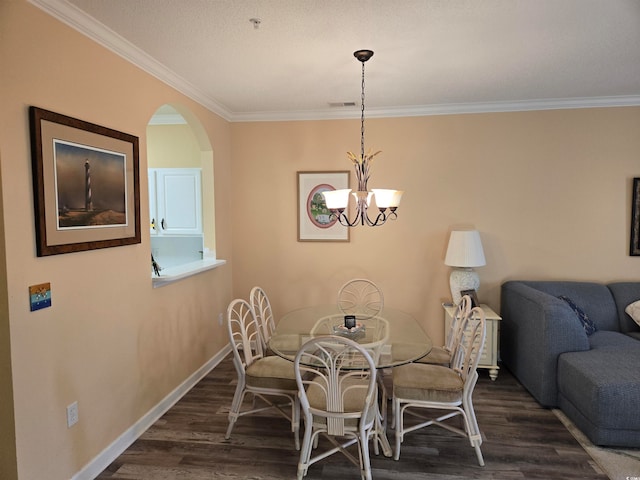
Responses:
[40,296]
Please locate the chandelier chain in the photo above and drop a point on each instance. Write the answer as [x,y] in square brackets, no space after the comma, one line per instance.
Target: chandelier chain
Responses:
[362,117]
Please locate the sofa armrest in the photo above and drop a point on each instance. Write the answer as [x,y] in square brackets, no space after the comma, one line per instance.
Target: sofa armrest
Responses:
[536,328]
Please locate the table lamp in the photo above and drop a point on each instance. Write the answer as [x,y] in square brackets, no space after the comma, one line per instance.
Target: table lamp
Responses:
[464,253]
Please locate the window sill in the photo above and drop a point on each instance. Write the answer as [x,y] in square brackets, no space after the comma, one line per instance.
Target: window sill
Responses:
[174,274]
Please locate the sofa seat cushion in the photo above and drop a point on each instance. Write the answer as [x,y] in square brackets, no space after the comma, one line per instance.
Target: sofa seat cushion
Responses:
[608,339]
[603,385]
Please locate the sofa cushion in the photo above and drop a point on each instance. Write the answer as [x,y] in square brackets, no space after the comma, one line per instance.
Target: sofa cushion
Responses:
[587,324]
[595,299]
[606,339]
[635,335]
[602,388]
[633,310]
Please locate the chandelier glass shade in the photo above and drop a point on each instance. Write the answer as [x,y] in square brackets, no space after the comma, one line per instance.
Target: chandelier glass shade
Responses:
[387,201]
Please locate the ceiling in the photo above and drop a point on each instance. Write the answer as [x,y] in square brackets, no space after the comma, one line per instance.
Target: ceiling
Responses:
[431,56]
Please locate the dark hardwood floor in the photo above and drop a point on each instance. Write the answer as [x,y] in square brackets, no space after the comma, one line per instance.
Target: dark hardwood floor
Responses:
[521,441]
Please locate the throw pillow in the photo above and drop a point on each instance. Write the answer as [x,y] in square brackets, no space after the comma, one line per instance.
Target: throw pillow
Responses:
[633,310]
[587,323]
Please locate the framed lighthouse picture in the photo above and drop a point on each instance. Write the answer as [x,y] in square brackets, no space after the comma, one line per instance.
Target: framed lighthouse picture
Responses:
[85,182]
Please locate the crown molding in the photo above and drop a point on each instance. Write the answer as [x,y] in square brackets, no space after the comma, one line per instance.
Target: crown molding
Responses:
[88,26]
[443,109]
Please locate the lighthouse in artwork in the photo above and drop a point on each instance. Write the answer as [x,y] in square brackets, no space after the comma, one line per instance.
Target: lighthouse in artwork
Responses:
[88,204]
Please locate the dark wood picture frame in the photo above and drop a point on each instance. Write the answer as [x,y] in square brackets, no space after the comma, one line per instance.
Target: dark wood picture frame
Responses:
[86,184]
[474,297]
[634,248]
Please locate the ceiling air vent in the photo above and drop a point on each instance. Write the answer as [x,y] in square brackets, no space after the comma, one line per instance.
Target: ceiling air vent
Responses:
[342,104]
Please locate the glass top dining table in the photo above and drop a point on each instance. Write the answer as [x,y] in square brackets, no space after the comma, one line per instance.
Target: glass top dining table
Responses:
[394,335]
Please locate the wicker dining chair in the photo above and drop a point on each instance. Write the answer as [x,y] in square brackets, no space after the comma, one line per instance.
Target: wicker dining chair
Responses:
[337,386]
[360,297]
[264,377]
[420,387]
[442,355]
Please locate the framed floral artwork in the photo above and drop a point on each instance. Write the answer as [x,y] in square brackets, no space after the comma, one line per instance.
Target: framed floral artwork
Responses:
[315,222]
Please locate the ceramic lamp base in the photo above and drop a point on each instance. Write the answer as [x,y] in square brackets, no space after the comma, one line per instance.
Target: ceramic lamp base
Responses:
[462,279]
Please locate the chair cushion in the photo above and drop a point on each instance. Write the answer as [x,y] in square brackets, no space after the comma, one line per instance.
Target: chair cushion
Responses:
[437,356]
[271,372]
[431,383]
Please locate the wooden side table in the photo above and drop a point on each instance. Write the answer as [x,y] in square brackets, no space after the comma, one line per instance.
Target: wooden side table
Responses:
[489,357]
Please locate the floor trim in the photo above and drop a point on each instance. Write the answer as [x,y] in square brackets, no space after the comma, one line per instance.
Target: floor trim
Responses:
[124,441]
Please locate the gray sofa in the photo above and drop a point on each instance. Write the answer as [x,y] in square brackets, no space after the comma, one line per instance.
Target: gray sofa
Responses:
[594,379]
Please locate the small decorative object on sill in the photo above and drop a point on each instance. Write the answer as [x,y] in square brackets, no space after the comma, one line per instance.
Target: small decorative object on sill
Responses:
[156,267]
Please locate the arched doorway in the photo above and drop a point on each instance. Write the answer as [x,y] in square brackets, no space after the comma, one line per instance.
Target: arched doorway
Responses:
[178,144]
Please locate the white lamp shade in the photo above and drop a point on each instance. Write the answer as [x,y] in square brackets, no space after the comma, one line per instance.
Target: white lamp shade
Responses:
[465,249]
[336,199]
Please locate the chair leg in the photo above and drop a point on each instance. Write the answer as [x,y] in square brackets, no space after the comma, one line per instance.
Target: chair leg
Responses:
[397,416]
[479,455]
[384,399]
[305,449]
[380,437]
[381,424]
[295,420]
[393,412]
[364,458]
[473,430]
[377,433]
[234,411]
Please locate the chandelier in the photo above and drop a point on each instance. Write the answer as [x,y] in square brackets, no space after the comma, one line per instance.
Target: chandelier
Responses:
[387,201]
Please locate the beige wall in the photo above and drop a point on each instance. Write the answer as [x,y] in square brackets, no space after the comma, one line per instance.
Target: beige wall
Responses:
[172,146]
[549,191]
[109,341]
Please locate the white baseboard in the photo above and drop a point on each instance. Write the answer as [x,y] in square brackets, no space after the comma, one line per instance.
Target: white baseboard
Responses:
[124,441]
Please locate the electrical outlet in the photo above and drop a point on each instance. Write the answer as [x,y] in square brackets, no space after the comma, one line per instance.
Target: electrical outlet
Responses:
[72,414]
[220,318]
